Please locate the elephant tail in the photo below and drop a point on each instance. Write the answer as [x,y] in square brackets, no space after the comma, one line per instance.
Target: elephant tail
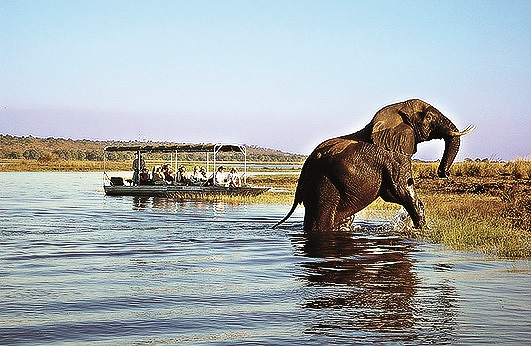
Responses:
[293,207]
[299,192]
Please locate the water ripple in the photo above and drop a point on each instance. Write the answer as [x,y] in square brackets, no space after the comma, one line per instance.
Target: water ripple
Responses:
[80,268]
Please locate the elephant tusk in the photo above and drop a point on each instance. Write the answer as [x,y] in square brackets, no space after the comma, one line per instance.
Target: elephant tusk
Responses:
[462,133]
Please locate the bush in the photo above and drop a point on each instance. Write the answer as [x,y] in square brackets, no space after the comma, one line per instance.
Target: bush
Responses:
[32,154]
[48,158]
[518,169]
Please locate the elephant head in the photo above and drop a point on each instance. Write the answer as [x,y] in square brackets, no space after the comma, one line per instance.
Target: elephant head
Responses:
[401,126]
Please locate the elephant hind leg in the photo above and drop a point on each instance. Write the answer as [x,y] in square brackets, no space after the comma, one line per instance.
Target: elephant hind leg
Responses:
[345,213]
[319,217]
[320,207]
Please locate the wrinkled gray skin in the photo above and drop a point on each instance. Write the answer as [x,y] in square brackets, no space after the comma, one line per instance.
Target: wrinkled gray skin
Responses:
[345,174]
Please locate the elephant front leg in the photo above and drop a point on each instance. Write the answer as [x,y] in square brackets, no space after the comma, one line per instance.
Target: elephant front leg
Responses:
[415,205]
[406,196]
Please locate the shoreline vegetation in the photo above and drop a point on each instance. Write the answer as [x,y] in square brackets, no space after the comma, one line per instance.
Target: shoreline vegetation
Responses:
[483,207]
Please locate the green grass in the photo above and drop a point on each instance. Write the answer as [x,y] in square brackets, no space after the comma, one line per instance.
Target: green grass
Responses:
[473,223]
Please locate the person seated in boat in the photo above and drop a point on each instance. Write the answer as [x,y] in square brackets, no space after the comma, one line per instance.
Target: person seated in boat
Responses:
[182,177]
[196,177]
[144,177]
[204,175]
[220,177]
[137,167]
[169,175]
[158,175]
[233,178]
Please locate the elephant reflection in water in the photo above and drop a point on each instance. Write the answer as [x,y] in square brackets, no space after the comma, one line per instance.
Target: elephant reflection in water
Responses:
[371,279]
[355,283]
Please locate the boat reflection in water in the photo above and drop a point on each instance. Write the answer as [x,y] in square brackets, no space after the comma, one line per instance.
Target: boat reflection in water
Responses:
[367,285]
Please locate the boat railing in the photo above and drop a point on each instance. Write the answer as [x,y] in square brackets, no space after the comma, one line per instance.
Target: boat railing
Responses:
[174,149]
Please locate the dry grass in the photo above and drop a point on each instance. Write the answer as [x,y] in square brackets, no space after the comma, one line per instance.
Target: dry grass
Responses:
[57,165]
[516,169]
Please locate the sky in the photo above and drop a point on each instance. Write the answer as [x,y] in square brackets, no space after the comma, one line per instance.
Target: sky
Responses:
[278,74]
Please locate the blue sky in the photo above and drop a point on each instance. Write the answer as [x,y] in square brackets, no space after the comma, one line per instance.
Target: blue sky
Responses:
[278,74]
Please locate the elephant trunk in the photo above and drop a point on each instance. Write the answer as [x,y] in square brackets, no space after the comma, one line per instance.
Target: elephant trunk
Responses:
[451,147]
[452,139]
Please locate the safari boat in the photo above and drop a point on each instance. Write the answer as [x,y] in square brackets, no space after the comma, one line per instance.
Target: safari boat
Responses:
[176,184]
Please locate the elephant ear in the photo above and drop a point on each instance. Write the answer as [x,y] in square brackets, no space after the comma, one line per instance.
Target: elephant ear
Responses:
[392,132]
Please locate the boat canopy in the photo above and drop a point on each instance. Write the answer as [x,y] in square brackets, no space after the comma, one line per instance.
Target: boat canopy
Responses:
[180,148]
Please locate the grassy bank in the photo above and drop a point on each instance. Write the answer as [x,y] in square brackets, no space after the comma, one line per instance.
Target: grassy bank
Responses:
[495,225]
[56,165]
[488,214]
[517,169]
[22,165]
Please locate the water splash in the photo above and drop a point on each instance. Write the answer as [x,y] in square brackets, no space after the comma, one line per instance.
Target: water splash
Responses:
[401,222]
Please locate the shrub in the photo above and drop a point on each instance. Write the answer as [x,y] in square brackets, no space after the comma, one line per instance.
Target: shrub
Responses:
[518,169]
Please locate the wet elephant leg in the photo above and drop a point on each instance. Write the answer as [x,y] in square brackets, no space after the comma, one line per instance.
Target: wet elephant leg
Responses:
[414,206]
[358,191]
[320,205]
[346,211]
[406,196]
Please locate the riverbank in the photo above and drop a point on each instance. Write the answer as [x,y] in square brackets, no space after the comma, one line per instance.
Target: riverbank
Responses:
[483,207]
[488,215]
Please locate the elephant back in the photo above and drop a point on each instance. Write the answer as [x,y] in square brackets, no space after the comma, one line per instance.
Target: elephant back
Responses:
[332,147]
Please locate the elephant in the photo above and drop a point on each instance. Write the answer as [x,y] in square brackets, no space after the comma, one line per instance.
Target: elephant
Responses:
[345,174]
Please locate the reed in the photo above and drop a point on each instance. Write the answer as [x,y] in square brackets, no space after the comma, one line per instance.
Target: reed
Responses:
[476,223]
[515,169]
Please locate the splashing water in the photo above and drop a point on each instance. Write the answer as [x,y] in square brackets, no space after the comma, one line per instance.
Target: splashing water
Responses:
[402,220]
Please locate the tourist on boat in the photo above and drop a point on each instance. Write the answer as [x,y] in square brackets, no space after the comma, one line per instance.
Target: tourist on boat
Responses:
[169,175]
[137,167]
[144,177]
[204,174]
[220,177]
[233,178]
[198,176]
[158,175]
[182,176]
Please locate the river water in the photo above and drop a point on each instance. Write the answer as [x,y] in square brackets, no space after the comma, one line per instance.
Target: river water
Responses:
[77,267]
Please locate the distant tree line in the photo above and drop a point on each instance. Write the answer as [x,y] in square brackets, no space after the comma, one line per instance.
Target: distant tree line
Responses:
[55,149]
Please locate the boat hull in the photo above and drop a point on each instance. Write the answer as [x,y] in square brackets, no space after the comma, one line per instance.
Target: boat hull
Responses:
[184,192]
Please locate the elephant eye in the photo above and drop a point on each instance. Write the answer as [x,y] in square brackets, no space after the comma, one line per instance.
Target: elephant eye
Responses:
[427,117]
